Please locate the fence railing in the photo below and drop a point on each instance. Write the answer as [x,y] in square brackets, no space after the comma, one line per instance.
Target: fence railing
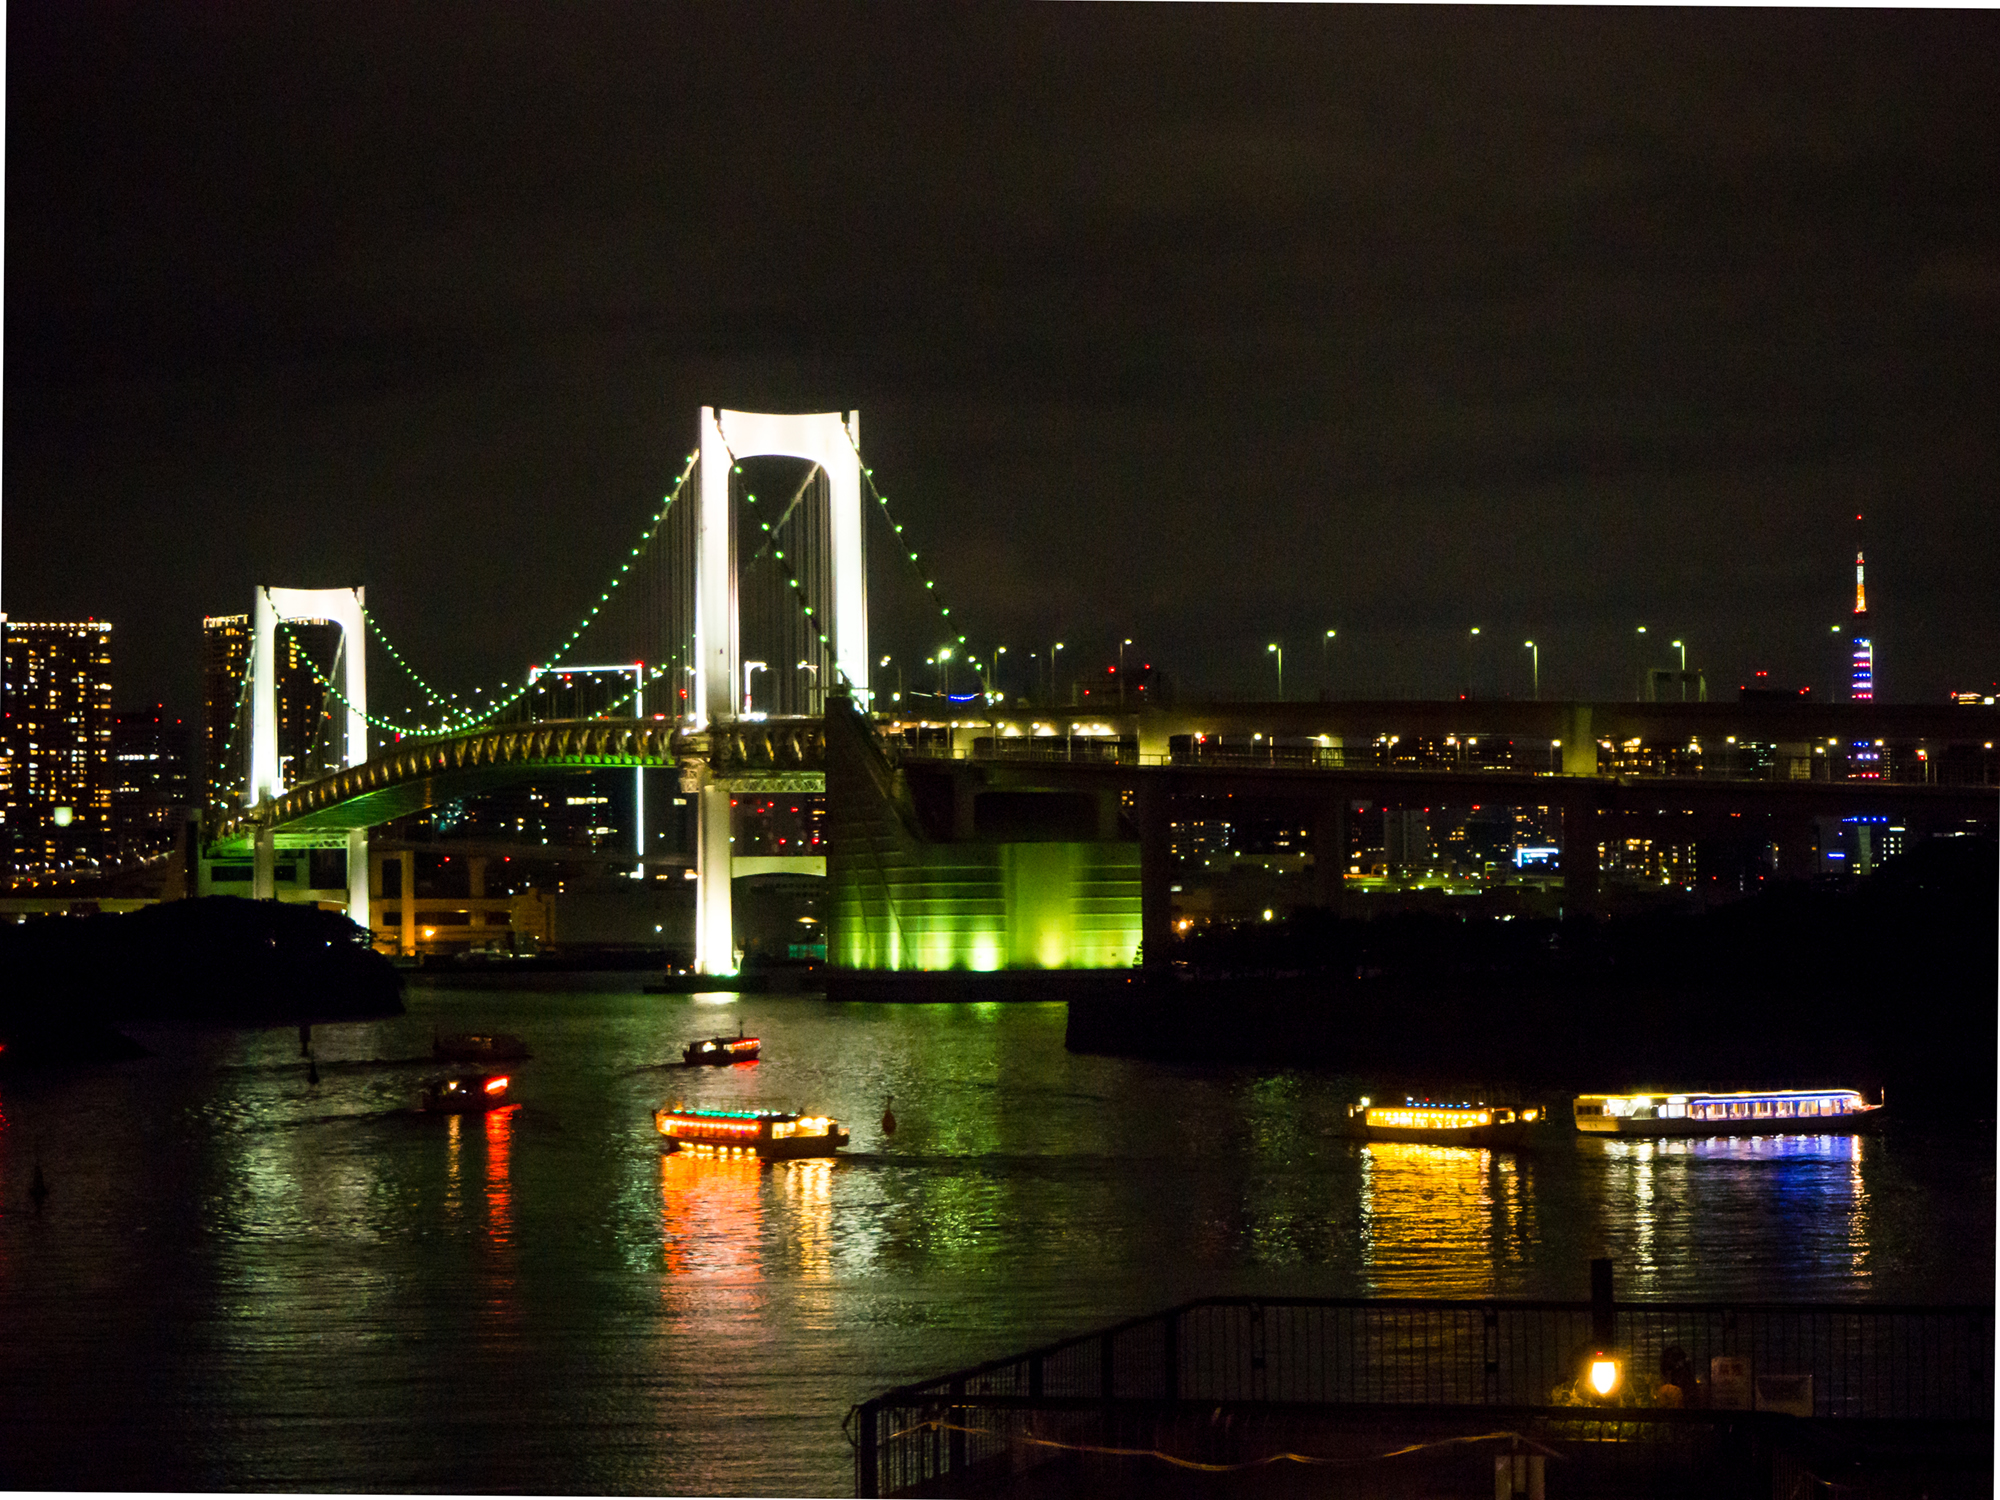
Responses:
[1864,1363]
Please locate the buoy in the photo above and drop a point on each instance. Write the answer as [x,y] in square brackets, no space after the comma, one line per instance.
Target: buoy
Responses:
[38,1187]
[888,1116]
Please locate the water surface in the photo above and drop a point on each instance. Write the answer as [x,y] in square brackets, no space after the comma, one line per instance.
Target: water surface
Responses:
[244,1280]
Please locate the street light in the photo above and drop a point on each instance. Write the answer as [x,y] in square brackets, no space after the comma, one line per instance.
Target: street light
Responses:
[1472,661]
[943,660]
[1280,651]
[1536,663]
[998,652]
[1121,671]
[1325,641]
[809,667]
[748,668]
[1681,646]
[1052,670]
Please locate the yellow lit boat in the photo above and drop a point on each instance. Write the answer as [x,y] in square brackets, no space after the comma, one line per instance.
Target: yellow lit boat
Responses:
[1485,1126]
[1768,1112]
[771,1134]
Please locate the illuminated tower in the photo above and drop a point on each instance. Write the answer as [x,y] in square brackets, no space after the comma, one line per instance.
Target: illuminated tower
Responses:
[1863,690]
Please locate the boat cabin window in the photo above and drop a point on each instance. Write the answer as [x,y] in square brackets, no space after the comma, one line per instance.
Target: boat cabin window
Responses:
[1673,1111]
[1589,1109]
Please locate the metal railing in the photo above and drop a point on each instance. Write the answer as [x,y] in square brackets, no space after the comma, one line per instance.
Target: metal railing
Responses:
[1341,1356]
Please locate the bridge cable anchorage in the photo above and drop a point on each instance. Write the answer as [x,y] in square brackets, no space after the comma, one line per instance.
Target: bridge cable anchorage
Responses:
[458,721]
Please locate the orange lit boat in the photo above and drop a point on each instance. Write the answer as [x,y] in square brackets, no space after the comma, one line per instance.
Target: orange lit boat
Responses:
[772,1134]
[1487,1126]
[467,1094]
[721,1051]
[1773,1112]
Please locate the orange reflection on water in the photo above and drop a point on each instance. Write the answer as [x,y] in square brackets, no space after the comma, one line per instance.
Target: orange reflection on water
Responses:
[809,1195]
[711,1214]
[499,1185]
[454,1144]
[1439,1220]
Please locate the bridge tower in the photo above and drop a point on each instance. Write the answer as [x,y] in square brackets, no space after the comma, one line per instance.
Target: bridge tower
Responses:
[832,441]
[343,608]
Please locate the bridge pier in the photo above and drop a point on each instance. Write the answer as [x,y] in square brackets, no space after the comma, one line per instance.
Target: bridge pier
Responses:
[264,864]
[357,879]
[407,863]
[714,919]
[1329,851]
[1156,874]
[1580,867]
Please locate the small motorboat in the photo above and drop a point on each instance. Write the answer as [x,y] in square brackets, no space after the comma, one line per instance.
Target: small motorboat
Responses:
[721,1051]
[774,1135]
[496,1046]
[466,1094]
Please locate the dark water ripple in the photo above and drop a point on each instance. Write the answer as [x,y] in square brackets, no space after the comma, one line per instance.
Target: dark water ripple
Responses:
[244,1281]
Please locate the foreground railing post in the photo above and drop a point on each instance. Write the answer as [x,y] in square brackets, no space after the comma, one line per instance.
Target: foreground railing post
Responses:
[867,1482]
[1170,1357]
[956,1445]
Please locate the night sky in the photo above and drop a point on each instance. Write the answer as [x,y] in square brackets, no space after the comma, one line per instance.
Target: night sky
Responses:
[1204,326]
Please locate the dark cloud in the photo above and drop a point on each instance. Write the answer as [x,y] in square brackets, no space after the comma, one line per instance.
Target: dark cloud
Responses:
[1207,325]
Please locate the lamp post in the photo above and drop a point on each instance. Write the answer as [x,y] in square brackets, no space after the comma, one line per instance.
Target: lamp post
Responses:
[1681,646]
[1121,670]
[1052,671]
[998,652]
[1472,661]
[1535,663]
[943,660]
[806,666]
[1279,651]
[1325,641]
[748,668]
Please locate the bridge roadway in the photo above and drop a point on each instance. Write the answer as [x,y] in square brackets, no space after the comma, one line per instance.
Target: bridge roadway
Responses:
[788,755]
[1594,809]
[1572,722]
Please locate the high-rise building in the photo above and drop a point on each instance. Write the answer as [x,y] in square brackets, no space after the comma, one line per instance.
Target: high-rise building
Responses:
[55,747]
[308,729]
[149,782]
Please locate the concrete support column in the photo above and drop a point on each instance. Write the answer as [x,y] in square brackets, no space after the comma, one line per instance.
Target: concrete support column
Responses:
[407,863]
[1579,857]
[264,864]
[475,875]
[714,920]
[1579,745]
[1156,874]
[1329,849]
[357,878]
[963,789]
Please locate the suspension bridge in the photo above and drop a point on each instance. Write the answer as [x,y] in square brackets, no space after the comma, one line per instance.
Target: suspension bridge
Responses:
[748,618]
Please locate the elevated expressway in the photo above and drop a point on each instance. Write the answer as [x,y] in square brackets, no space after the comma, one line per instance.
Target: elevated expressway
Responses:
[789,755]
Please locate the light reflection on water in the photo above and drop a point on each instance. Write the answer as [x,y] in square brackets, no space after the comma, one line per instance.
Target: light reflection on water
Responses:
[246,1281]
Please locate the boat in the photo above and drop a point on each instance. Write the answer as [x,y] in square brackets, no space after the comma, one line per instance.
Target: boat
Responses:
[720,1051]
[1428,1122]
[496,1046]
[1748,1112]
[466,1094]
[774,1135]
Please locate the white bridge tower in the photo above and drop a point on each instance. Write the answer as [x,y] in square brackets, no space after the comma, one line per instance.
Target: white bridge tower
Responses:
[830,440]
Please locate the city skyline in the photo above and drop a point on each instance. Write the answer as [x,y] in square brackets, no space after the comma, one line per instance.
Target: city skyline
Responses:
[1392,324]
